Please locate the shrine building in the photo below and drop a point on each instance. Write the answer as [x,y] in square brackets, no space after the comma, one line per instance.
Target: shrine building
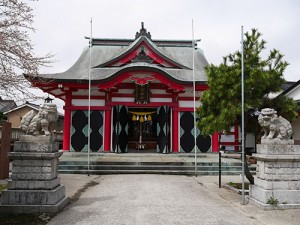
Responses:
[141,96]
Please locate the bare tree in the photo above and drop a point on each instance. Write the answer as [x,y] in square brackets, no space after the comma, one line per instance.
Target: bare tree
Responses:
[16,50]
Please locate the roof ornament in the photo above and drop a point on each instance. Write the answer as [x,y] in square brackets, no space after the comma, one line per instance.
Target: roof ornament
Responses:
[142,57]
[143,32]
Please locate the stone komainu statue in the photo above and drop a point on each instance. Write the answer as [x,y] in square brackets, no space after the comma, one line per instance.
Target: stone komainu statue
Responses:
[39,124]
[274,127]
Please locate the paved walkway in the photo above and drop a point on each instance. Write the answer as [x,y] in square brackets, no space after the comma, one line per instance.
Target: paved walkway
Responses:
[162,199]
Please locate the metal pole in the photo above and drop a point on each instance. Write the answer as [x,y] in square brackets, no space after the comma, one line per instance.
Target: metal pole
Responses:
[89,106]
[194,92]
[220,168]
[243,119]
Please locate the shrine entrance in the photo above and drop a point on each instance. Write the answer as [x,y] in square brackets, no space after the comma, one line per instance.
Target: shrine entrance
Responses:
[142,129]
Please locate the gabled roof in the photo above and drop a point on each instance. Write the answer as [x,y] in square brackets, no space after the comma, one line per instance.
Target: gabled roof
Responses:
[287,85]
[291,88]
[144,41]
[104,52]
[6,105]
[30,105]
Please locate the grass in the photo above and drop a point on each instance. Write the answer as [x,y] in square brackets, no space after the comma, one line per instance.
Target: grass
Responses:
[3,187]
[238,185]
[273,201]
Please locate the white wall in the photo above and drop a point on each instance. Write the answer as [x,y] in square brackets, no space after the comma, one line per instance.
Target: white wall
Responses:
[85,102]
[295,93]
[189,104]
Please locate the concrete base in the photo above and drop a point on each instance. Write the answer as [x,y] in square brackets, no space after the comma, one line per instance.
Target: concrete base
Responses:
[34,209]
[277,141]
[277,171]
[33,197]
[282,196]
[35,187]
[265,206]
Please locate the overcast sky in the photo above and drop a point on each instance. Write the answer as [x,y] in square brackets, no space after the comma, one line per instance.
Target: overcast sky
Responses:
[62,24]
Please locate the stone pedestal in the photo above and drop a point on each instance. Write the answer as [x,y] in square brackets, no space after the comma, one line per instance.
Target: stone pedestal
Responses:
[277,185]
[35,187]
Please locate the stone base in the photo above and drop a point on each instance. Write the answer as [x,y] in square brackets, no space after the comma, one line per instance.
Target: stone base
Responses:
[34,184]
[282,196]
[277,171]
[33,197]
[34,209]
[40,144]
[277,149]
[35,187]
[277,141]
[264,206]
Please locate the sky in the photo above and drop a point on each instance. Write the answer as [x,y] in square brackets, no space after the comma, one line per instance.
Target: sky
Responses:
[61,26]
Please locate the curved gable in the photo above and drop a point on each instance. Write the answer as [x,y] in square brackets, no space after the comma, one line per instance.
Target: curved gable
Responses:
[142,50]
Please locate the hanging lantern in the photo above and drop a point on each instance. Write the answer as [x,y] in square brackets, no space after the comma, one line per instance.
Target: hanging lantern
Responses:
[142,119]
[145,117]
[149,117]
[134,117]
[137,118]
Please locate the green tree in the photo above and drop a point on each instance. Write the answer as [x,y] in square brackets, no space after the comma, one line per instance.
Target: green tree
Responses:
[221,104]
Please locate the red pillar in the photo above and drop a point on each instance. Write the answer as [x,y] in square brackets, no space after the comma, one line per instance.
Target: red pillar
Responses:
[215,142]
[236,137]
[175,128]
[107,130]
[67,123]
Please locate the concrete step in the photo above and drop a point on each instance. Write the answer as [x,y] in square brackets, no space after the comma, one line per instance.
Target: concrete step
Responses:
[166,172]
[182,168]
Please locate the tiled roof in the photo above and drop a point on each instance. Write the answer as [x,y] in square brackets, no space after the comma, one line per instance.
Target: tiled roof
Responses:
[6,105]
[101,54]
[287,85]
[290,87]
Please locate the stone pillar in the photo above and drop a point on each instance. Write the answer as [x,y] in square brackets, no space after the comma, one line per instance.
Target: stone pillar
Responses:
[277,185]
[4,150]
[35,187]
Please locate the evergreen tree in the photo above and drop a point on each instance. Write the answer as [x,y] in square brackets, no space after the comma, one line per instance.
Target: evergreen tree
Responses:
[221,103]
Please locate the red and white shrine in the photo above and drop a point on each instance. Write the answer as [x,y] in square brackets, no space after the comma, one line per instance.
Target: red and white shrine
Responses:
[141,96]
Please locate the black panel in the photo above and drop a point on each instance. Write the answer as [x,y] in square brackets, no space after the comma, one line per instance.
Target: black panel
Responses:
[203,143]
[96,137]
[187,141]
[168,130]
[123,137]
[162,137]
[79,139]
[114,133]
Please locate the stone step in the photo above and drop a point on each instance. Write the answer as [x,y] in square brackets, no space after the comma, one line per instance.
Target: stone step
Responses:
[148,167]
[166,172]
[148,163]
[203,168]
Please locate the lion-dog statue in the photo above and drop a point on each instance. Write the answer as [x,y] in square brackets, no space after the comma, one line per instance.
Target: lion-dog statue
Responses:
[40,123]
[274,127]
